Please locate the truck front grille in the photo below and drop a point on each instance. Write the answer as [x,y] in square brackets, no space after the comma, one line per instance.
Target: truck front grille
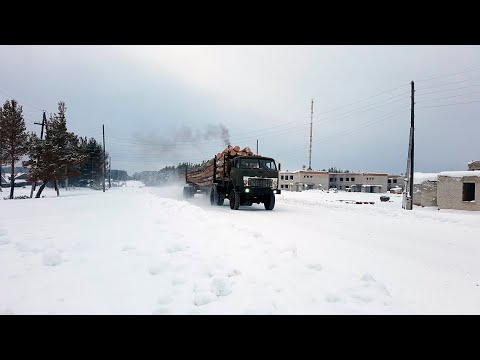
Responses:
[263,183]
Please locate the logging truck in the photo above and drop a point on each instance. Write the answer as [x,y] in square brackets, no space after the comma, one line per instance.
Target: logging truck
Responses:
[240,176]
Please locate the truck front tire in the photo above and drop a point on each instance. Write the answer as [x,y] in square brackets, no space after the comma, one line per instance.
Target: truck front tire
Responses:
[234,200]
[269,203]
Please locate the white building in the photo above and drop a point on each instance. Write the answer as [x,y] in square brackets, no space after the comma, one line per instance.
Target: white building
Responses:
[303,180]
[396,181]
[359,182]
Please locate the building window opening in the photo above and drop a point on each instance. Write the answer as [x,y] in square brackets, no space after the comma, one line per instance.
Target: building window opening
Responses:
[468,192]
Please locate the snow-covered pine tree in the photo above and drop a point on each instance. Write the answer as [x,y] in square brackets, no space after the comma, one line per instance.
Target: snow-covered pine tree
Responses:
[58,156]
[13,137]
[90,171]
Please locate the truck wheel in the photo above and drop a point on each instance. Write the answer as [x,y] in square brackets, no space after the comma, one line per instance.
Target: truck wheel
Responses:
[270,202]
[220,198]
[234,200]
[212,197]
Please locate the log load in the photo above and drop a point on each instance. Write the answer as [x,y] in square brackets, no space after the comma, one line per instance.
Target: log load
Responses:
[203,176]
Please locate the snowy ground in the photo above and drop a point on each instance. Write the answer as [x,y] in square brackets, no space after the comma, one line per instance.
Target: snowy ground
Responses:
[141,250]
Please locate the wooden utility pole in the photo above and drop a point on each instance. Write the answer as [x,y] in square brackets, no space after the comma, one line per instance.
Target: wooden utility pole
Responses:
[104,168]
[109,172]
[257,146]
[412,129]
[311,131]
[410,163]
[43,123]
[1,167]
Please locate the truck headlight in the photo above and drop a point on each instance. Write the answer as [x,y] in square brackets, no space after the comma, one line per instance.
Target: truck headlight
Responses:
[274,183]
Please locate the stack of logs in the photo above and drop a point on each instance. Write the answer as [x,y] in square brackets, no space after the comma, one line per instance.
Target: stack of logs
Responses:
[204,175]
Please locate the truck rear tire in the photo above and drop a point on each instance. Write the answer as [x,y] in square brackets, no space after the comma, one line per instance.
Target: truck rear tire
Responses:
[269,202]
[187,192]
[212,196]
[234,200]
[220,198]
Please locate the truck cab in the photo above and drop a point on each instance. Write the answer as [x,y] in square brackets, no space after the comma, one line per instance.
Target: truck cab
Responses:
[253,179]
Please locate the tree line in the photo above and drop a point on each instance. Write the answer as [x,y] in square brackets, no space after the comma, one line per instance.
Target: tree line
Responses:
[165,176]
[60,158]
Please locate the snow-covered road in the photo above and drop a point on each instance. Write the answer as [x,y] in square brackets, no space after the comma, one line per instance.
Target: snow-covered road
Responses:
[139,250]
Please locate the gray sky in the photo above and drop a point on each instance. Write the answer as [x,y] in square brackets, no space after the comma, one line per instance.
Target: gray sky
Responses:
[162,105]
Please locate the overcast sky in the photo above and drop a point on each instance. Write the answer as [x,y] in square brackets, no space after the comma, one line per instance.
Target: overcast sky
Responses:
[162,105]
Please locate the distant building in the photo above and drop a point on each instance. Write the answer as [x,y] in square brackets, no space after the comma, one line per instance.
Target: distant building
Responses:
[474,165]
[395,181]
[20,181]
[22,176]
[359,182]
[303,180]
[4,180]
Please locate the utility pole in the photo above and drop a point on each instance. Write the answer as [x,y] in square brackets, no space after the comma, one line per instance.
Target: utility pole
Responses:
[257,146]
[104,169]
[410,163]
[412,129]
[43,123]
[109,172]
[1,167]
[311,130]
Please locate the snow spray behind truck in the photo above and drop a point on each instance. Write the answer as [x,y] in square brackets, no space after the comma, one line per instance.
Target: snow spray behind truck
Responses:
[238,175]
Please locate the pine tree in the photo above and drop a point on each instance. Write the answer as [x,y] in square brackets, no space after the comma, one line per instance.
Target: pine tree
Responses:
[90,171]
[13,137]
[58,156]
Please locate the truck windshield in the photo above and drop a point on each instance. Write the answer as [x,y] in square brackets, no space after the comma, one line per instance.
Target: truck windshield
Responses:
[258,164]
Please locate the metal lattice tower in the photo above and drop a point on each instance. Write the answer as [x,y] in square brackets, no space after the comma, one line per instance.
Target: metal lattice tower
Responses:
[311,130]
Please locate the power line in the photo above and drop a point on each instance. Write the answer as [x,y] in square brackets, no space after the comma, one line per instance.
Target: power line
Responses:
[449,97]
[439,91]
[329,120]
[337,108]
[356,129]
[450,83]
[458,103]
[21,102]
[447,75]
[151,144]
[370,97]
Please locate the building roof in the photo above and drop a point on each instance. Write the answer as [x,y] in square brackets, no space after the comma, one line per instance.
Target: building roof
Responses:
[367,174]
[345,174]
[460,173]
[304,172]
[312,172]
[419,177]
